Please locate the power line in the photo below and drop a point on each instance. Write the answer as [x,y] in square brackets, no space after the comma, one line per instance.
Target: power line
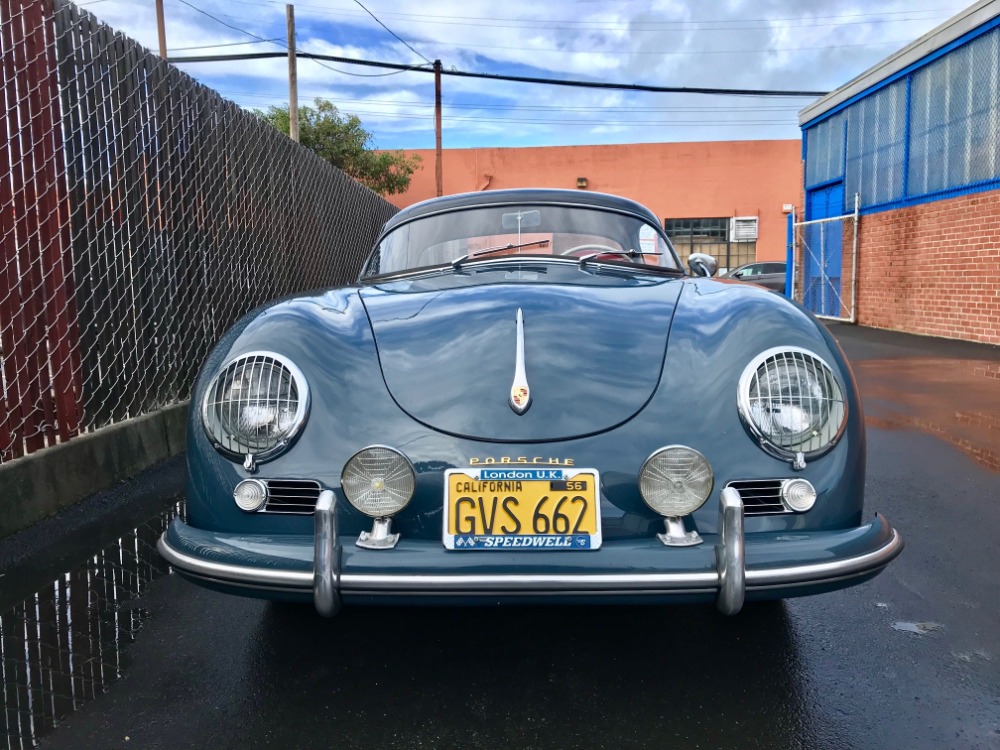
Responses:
[229,44]
[358,2]
[366,75]
[686,53]
[318,59]
[628,26]
[528,107]
[219,20]
[539,23]
[503,77]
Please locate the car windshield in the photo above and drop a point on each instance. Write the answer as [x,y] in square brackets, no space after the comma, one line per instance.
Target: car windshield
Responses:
[529,230]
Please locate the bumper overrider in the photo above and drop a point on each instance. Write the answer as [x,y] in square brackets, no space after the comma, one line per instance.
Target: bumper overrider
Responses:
[738,568]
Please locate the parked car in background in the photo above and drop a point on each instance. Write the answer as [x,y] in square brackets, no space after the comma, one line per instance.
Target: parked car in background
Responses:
[492,414]
[770,274]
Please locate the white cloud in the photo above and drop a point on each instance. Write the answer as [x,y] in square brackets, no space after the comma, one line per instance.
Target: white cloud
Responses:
[784,44]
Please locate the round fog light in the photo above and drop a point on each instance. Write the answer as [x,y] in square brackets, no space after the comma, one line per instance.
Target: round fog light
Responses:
[675,481]
[798,495]
[250,495]
[378,481]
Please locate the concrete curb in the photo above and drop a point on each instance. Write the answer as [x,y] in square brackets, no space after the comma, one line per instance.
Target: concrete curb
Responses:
[43,483]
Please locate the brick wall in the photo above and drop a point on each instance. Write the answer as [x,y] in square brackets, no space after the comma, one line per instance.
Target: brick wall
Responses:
[933,268]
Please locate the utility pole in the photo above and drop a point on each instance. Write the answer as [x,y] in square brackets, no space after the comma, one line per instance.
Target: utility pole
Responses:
[161,30]
[293,79]
[438,171]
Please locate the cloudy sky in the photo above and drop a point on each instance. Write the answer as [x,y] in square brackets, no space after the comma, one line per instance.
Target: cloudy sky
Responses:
[812,45]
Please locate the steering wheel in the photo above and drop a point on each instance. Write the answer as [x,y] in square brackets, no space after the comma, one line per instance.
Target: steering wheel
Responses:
[611,253]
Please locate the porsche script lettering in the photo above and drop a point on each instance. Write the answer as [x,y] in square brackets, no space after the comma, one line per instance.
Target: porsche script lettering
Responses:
[490,461]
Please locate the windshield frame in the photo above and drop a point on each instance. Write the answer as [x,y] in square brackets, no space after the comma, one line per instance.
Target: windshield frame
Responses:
[365,277]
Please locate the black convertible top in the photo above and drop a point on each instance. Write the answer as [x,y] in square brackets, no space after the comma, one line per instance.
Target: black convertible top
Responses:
[522,196]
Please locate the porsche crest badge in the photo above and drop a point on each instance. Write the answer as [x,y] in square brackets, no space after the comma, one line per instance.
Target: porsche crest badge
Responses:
[519,398]
[520,393]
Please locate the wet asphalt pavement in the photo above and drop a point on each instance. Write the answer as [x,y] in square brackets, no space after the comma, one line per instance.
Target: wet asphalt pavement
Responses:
[91,620]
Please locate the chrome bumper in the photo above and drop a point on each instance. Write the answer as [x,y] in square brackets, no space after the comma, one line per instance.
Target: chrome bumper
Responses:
[729,582]
[326,563]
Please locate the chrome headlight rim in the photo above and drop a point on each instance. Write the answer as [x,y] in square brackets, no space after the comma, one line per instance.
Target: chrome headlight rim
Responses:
[664,449]
[298,420]
[391,449]
[765,441]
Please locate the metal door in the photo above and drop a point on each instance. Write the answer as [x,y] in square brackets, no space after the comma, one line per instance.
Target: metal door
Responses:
[823,263]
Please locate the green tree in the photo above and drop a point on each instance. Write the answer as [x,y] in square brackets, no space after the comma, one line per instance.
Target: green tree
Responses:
[343,141]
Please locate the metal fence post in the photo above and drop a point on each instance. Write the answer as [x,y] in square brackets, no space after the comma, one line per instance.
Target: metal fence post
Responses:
[854,260]
[790,256]
[822,268]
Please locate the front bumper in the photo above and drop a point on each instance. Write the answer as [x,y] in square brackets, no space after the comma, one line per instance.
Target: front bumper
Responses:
[734,569]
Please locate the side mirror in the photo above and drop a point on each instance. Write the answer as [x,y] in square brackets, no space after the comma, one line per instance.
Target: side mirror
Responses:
[703,264]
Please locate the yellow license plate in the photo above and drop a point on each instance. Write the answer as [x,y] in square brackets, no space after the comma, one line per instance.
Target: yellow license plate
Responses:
[522,508]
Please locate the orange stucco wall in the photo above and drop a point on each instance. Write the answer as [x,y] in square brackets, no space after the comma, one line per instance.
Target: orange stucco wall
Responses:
[675,180]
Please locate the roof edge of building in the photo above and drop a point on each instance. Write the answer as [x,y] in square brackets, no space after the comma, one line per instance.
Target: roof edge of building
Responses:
[955,27]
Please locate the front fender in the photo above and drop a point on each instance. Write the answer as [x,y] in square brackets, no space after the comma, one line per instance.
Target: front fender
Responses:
[718,327]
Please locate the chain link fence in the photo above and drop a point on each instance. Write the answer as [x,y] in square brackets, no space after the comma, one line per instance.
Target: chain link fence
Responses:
[824,274]
[140,215]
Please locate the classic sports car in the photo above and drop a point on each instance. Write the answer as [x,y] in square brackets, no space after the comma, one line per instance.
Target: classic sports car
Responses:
[525,398]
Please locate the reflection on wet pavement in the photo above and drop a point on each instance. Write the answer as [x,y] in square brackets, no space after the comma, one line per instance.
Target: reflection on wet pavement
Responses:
[918,628]
[955,400]
[66,644]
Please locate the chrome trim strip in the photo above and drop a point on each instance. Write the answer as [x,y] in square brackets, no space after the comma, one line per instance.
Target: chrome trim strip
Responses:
[326,556]
[730,553]
[301,580]
[538,582]
[651,583]
[532,593]
[520,392]
[816,572]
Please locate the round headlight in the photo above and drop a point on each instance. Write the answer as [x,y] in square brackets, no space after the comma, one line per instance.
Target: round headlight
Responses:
[250,495]
[792,402]
[256,405]
[378,481]
[675,481]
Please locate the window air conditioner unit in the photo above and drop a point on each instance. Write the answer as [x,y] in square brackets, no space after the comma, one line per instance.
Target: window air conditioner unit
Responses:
[742,228]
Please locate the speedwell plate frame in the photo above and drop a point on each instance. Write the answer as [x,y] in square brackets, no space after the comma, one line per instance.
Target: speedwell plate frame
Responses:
[522,508]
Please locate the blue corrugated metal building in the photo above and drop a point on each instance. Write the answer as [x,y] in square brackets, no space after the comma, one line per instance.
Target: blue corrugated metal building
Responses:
[922,126]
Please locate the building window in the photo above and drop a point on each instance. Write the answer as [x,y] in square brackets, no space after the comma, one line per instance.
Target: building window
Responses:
[710,236]
[876,138]
[955,118]
[935,129]
[825,151]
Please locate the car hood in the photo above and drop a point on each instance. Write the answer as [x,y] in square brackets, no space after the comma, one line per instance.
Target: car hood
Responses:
[592,355]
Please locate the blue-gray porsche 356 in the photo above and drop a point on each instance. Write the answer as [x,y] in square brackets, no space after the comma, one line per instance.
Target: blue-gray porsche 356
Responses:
[526,398]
